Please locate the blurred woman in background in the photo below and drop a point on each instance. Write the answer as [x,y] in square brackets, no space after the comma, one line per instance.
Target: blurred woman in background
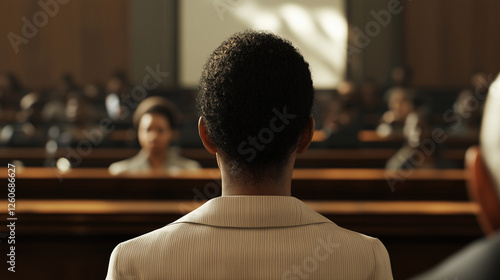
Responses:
[156,127]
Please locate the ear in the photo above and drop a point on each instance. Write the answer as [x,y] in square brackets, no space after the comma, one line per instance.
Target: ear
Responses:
[306,138]
[482,191]
[202,131]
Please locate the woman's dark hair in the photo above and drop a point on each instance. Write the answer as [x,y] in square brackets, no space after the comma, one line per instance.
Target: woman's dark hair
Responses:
[156,105]
[256,95]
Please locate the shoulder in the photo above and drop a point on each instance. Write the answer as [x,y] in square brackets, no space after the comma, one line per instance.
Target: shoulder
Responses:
[177,161]
[141,256]
[369,253]
[477,261]
[356,239]
[118,167]
[186,163]
[149,242]
[132,163]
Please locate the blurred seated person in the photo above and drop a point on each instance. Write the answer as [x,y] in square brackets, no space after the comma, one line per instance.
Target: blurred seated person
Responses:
[78,118]
[118,88]
[54,109]
[156,128]
[417,152]
[400,104]
[342,120]
[400,76]
[480,260]
[371,105]
[78,126]
[11,92]
[27,130]
[468,108]
[94,93]
[370,97]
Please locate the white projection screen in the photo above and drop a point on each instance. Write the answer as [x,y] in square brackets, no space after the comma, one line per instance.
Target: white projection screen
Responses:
[318,28]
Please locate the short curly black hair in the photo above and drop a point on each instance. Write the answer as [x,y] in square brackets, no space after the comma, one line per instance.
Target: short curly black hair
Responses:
[256,96]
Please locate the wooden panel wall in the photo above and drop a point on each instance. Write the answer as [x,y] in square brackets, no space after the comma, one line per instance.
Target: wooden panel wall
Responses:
[446,40]
[89,38]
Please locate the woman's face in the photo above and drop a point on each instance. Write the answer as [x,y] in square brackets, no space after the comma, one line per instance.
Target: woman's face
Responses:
[155,133]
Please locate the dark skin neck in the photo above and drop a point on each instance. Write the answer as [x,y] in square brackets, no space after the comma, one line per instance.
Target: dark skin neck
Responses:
[234,185]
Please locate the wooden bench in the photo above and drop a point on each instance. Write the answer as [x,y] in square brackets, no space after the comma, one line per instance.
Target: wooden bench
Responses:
[83,214]
[312,158]
[105,217]
[371,139]
[422,202]
[316,184]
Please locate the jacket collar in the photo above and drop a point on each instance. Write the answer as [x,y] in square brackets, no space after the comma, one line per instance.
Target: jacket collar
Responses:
[254,212]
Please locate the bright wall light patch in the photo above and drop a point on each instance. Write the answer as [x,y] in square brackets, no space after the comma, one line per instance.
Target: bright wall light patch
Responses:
[318,28]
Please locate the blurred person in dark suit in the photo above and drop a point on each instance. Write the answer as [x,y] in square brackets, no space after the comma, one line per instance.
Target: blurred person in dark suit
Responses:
[371,104]
[118,88]
[54,109]
[468,107]
[481,259]
[11,92]
[416,153]
[155,122]
[342,118]
[94,93]
[27,130]
[400,103]
[399,97]
[371,97]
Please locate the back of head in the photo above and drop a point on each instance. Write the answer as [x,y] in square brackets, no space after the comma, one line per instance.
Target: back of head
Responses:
[480,259]
[256,95]
[490,134]
[482,165]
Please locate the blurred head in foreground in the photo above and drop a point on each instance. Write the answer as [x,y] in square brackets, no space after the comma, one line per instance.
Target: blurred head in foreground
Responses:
[479,260]
[484,164]
[255,101]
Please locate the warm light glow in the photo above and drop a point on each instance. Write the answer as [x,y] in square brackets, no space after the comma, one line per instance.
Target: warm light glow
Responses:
[63,165]
[297,18]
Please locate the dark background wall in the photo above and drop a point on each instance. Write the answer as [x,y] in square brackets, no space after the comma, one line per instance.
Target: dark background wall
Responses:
[88,38]
[442,41]
[446,40]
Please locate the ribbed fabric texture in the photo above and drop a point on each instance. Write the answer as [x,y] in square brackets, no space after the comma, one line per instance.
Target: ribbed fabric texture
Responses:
[251,237]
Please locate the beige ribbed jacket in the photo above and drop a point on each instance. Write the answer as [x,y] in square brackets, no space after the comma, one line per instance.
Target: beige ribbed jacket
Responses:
[251,237]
